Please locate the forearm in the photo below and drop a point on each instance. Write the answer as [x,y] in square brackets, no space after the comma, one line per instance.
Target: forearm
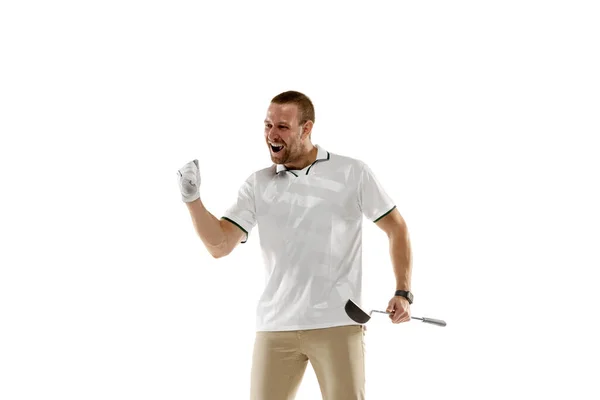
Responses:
[208,227]
[401,257]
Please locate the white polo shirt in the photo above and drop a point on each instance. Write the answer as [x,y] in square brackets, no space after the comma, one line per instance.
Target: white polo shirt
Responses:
[310,229]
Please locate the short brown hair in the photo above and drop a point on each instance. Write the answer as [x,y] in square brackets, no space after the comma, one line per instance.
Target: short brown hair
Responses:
[305,106]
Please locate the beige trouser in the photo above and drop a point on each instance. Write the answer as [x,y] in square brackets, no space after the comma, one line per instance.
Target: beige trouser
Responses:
[336,354]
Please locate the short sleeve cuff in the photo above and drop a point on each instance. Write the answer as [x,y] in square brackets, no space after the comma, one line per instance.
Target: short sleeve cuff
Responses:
[384,214]
[239,225]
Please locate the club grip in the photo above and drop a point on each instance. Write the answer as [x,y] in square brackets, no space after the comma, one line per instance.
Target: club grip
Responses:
[434,321]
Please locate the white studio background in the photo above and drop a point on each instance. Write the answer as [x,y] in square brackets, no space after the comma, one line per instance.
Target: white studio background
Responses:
[477,117]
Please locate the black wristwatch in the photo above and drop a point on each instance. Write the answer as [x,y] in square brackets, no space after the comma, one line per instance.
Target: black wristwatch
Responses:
[407,295]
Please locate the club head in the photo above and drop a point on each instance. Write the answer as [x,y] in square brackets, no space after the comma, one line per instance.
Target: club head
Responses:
[356,313]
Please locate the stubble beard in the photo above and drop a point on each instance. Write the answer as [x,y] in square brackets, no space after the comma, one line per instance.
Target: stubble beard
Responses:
[283,157]
[287,154]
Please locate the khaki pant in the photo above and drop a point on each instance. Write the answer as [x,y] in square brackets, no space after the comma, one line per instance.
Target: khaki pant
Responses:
[336,354]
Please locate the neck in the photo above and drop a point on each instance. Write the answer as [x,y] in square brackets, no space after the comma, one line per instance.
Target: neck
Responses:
[308,157]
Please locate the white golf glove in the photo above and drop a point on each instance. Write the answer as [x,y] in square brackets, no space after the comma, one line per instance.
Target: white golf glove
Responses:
[189,181]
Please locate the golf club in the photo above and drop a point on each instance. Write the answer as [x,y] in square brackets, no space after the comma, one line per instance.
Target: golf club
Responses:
[357,314]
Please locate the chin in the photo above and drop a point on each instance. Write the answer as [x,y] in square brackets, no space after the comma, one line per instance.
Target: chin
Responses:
[278,158]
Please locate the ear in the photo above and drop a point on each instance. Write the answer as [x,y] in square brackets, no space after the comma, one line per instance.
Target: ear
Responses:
[306,129]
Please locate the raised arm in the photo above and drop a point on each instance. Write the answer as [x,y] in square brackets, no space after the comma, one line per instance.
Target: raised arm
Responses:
[220,237]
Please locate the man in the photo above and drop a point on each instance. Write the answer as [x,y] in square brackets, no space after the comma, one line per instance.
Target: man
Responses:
[309,206]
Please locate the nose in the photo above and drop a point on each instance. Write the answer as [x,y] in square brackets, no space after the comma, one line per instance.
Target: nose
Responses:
[272,135]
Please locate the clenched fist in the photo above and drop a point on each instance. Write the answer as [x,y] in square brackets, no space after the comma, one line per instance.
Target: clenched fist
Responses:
[189,181]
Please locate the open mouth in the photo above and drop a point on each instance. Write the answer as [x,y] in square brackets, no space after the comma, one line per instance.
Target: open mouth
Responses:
[276,148]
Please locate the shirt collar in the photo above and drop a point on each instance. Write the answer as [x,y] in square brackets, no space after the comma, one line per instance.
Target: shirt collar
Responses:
[322,154]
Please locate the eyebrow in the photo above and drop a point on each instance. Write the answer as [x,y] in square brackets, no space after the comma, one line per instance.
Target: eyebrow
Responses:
[278,123]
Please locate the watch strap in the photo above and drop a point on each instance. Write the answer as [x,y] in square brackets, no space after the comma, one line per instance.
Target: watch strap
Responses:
[406,294]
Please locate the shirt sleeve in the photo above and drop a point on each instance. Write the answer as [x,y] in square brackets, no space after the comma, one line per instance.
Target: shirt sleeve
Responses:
[373,200]
[243,211]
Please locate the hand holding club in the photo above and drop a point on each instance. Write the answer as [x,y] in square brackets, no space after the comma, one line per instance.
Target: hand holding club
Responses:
[399,309]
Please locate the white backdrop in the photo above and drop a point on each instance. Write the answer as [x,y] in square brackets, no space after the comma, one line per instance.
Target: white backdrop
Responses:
[477,117]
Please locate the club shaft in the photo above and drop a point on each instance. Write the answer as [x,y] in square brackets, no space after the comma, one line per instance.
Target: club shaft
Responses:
[433,321]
